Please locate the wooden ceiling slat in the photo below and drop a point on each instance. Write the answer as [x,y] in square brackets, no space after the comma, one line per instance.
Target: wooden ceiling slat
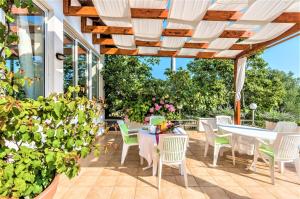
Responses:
[149,13]
[206,54]
[196,45]
[148,43]
[110,42]
[288,17]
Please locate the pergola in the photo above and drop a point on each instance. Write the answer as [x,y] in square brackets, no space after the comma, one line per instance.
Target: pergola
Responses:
[226,29]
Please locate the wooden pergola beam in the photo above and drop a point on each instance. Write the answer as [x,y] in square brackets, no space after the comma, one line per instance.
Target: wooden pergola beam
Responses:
[107,30]
[256,47]
[90,11]
[110,42]
[211,15]
[160,53]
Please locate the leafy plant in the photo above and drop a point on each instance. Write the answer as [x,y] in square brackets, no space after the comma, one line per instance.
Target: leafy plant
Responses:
[39,138]
[43,137]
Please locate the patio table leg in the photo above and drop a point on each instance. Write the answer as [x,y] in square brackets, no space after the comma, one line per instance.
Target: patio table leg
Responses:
[256,153]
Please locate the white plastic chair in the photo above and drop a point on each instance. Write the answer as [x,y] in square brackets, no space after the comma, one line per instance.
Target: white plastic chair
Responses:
[285,127]
[128,139]
[156,120]
[172,149]
[223,119]
[284,149]
[217,141]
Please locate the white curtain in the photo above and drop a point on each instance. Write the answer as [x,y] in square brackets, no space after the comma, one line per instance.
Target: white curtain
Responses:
[189,51]
[222,43]
[155,4]
[209,30]
[228,53]
[173,42]
[240,79]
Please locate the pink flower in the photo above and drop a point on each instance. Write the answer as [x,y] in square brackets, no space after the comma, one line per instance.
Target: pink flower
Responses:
[167,105]
[171,108]
[153,99]
[151,110]
[126,118]
[162,102]
[157,107]
[147,119]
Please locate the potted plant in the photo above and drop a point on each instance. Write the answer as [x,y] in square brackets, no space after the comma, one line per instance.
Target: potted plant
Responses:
[41,138]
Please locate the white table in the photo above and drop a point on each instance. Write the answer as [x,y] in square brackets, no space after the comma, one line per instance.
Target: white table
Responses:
[249,132]
[147,143]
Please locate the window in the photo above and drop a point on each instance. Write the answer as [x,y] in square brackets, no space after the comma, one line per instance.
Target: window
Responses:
[95,76]
[82,70]
[29,54]
[79,62]
[68,62]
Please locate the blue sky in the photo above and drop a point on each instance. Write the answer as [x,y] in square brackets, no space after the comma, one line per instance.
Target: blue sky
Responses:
[285,57]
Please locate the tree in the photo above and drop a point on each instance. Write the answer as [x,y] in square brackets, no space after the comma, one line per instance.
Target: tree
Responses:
[214,80]
[125,80]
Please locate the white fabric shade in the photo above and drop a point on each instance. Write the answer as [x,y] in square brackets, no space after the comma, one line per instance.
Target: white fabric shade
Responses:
[148,50]
[155,4]
[173,42]
[295,7]
[228,53]
[222,43]
[240,78]
[232,5]
[117,22]
[209,29]
[245,25]
[188,10]
[147,29]
[177,24]
[266,10]
[268,32]
[124,41]
[189,51]
[115,8]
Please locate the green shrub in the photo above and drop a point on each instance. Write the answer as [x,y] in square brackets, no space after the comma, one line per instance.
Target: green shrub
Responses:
[44,137]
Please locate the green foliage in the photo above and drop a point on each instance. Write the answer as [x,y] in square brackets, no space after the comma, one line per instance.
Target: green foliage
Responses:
[39,138]
[204,89]
[48,136]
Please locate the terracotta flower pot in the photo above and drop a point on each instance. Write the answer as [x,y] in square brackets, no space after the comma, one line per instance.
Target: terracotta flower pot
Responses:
[49,192]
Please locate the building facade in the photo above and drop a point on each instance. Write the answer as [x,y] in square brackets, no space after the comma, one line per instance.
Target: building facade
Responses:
[54,53]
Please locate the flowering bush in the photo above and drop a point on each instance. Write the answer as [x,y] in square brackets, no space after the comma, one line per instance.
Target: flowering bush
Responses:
[161,107]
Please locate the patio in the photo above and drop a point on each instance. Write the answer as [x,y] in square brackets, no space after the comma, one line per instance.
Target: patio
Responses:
[104,177]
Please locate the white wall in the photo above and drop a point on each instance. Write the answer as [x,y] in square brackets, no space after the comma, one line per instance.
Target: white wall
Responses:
[56,24]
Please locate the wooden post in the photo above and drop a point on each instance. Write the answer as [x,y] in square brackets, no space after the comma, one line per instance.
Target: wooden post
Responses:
[237,104]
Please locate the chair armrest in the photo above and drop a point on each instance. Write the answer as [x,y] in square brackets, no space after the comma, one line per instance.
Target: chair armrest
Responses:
[133,130]
[132,134]
[223,135]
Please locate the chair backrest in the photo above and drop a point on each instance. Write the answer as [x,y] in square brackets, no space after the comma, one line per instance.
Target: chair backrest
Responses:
[287,127]
[123,130]
[156,120]
[223,119]
[286,146]
[209,133]
[120,122]
[172,148]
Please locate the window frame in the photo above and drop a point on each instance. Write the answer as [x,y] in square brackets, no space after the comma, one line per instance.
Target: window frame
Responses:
[90,53]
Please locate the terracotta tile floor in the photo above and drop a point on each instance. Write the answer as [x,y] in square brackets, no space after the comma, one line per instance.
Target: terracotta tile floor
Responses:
[105,178]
